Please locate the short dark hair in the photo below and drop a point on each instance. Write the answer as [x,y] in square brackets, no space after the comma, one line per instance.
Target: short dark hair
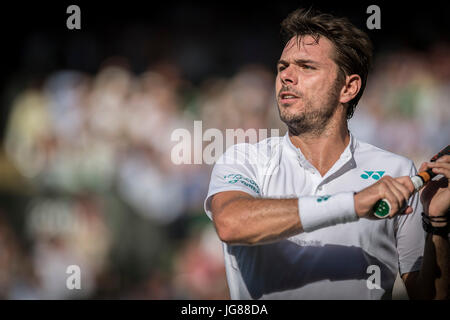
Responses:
[353,48]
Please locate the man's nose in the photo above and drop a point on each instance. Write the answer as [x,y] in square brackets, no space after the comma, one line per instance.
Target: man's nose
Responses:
[287,76]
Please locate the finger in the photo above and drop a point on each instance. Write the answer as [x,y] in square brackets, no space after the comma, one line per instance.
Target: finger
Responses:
[406,181]
[408,210]
[393,201]
[445,158]
[386,192]
[406,188]
[396,189]
[445,165]
[445,172]
[400,191]
[423,167]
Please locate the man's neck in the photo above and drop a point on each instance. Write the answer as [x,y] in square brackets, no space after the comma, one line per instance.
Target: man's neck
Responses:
[324,149]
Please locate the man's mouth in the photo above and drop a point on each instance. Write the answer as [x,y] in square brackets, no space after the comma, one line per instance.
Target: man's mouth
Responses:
[287,97]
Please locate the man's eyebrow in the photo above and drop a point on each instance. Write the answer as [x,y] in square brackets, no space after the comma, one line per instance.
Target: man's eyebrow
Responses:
[304,61]
[298,62]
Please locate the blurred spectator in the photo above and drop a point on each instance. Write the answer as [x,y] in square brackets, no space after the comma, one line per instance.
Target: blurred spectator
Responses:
[199,268]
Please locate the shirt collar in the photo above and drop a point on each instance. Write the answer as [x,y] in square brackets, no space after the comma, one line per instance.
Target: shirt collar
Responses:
[345,157]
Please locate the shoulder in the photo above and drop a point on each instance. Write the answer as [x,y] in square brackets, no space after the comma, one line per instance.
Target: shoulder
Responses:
[252,153]
[368,153]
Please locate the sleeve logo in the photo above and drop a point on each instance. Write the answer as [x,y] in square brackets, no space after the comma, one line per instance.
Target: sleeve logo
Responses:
[234,178]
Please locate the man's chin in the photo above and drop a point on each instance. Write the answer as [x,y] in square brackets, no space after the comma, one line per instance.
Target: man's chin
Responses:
[290,118]
[287,103]
[289,111]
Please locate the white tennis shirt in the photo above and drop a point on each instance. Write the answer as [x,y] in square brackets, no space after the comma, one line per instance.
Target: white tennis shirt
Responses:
[335,262]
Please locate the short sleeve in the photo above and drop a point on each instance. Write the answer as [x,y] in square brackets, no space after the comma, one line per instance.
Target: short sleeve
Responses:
[410,235]
[235,170]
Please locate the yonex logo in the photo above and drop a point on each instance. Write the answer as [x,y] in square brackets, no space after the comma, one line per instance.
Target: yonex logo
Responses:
[233,178]
[323,198]
[376,175]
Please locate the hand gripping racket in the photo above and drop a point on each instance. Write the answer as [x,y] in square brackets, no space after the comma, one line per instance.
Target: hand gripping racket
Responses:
[382,208]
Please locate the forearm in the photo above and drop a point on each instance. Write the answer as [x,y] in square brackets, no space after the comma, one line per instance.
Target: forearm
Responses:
[256,221]
[246,220]
[433,279]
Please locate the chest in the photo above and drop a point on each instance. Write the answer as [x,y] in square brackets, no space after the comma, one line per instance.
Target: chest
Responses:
[292,179]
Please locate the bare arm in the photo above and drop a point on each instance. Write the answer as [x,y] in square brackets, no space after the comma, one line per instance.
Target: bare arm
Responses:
[240,218]
[432,280]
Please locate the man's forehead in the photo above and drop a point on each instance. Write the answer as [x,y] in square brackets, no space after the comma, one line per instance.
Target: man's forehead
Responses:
[308,47]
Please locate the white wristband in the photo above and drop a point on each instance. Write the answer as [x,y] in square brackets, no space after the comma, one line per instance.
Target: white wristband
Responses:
[318,212]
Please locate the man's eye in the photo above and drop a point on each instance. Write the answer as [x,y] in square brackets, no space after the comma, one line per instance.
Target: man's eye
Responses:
[281,68]
[305,66]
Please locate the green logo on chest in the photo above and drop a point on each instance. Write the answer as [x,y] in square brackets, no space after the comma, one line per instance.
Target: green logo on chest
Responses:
[322,198]
[376,175]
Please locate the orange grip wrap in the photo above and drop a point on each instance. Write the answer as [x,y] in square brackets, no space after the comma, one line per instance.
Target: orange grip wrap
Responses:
[425,176]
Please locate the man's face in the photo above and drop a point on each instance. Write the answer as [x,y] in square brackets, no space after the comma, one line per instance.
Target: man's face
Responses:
[306,84]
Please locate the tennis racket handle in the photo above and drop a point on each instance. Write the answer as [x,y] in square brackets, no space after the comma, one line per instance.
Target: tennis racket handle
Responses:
[382,209]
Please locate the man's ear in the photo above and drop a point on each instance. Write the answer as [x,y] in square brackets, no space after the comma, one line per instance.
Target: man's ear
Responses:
[351,88]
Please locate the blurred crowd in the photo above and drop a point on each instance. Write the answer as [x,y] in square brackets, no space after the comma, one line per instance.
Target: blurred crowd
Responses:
[406,106]
[87,177]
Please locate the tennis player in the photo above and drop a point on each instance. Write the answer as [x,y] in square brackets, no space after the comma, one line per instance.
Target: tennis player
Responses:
[295,212]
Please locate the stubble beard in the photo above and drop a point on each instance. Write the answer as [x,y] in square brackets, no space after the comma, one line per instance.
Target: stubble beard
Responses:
[313,120]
